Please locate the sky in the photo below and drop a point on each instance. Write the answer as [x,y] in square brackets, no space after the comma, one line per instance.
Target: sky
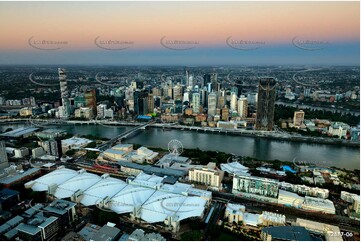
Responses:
[180,33]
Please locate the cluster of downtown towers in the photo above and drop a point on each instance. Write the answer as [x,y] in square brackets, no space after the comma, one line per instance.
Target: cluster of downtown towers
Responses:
[144,101]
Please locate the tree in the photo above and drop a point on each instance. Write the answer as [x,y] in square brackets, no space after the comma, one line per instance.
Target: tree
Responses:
[70,152]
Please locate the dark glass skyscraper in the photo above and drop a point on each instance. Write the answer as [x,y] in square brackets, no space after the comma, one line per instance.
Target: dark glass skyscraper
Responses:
[266,103]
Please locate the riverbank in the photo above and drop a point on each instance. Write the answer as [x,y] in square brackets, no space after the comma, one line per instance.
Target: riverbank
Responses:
[265,134]
[260,147]
[275,135]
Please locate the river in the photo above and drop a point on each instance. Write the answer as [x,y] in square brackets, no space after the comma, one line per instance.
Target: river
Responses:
[261,148]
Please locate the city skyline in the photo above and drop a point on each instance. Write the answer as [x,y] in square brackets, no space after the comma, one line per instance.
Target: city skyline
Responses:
[255,33]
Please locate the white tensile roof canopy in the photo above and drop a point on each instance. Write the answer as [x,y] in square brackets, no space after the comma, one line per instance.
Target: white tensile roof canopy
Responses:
[144,196]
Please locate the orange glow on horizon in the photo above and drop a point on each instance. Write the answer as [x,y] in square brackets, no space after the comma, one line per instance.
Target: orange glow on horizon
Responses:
[209,23]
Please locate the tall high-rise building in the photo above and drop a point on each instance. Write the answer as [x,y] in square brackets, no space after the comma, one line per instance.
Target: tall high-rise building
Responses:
[214,82]
[196,102]
[235,90]
[212,104]
[186,77]
[221,101]
[225,113]
[140,102]
[177,92]
[266,103]
[204,96]
[64,111]
[91,100]
[206,80]
[242,106]
[233,101]
[150,101]
[190,83]
[3,156]
[186,97]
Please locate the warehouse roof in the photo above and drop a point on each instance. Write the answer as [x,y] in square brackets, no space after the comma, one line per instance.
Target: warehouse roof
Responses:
[294,233]
[16,133]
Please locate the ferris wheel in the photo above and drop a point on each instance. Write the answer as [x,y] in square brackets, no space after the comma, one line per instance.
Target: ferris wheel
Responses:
[175,147]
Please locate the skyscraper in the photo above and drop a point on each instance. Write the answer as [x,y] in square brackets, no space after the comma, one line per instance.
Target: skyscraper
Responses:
[206,80]
[195,102]
[150,101]
[64,110]
[212,104]
[190,83]
[3,156]
[266,103]
[242,106]
[233,101]
[177,92]
[225,113]
[214,82]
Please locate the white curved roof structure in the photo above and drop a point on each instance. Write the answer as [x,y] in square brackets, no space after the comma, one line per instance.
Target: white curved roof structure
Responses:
[80,182]
[146,197]
[160,206]
[107,187]
[56,177]
[129,198]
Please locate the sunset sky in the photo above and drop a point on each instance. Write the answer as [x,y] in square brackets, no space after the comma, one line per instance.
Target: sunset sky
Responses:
[275,24]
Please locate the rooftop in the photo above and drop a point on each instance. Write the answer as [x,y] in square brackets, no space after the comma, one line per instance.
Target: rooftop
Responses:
[145,193]
[19,176]
[75,141]
[154,170]
[60,206]
[294,233]
[106,233]
[16,133]
[7,193]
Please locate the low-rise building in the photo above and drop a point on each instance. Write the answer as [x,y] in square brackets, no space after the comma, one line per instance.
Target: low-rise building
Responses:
[148,154]
[169,159]
[8,198]
[114,154]
[21,152]
[338,129]
[74,143]
[319,205]
[255,185]
[140,235]
[234,168]
[226,125]
[305,190]
[208,175]
[234,212]
[272,219]
[84,112]
[290,199]
[50,133]
[39,228]
[286,233]
[62,209]
[124,147]
[331,232]
[37,152]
